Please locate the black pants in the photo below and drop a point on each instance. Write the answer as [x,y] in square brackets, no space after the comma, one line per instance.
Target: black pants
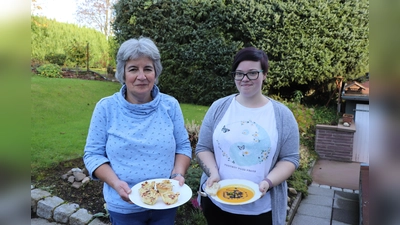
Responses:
[215,216]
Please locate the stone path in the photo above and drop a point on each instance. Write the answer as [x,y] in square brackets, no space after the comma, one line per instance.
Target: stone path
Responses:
[333,197]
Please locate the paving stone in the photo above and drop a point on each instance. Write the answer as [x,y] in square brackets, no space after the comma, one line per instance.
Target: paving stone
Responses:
[345,216]
[46,206]
[36,195]
[337,188]
[348,190]
[321,191]
[325,186]
[347,196]
[344,208]
[349,205]
[80,217]
[318,200]
[63,212]
[334,222]
[314,184]
[314,210]
[309,220]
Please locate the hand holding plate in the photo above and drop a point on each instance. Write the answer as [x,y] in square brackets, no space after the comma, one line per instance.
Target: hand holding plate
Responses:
[123,190]
[263,186]
[237,192]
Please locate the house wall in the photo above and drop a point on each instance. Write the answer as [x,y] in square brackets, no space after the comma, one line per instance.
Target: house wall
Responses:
[350,106]
[335,142]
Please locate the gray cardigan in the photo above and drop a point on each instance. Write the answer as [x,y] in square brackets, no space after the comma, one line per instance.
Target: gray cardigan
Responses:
[287,147]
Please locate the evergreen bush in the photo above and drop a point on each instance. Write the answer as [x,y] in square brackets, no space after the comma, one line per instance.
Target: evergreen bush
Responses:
[49,70]
[309,43]
[56,58]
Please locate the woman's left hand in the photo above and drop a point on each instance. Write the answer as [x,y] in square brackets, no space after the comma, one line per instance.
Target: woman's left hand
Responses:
[263,186]
[180,179]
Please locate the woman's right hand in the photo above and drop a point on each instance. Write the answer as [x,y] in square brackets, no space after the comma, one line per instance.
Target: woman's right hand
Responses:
[123,190]
[214,177]
[105,173]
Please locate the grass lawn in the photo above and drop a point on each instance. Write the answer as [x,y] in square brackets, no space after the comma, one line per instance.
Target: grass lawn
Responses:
[193,113]
[60,115]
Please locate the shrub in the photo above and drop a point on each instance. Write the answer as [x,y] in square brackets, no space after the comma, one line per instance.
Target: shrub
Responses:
[55,58]
[309,43]
[300,180]
[49,70]
[193,130]
[76,53]
[194,172]
[307,156]
[193,176]
[303,115]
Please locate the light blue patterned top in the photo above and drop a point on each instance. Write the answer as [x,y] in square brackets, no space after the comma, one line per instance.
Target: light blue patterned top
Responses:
[138,140]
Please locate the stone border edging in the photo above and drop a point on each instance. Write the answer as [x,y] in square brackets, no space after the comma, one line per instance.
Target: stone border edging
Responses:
[297,201]
[55,209]
[293,208]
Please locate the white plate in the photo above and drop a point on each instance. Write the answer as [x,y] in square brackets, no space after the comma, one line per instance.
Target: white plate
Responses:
[185,193]
[240,183]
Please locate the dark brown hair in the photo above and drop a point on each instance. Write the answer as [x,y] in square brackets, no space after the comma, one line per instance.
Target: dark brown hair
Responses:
[251,54]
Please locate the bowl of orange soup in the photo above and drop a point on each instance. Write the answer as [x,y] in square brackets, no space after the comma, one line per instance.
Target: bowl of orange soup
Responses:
[237,192]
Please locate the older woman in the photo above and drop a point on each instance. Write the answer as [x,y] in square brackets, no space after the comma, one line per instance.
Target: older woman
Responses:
[137,134]
[252,137]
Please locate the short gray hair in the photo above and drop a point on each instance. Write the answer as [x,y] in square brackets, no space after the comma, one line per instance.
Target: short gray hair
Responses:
[136,48]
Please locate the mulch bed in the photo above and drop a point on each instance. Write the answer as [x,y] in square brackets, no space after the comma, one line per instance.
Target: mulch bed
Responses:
[85,75]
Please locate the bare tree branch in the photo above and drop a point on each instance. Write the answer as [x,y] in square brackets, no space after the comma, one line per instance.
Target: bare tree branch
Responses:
[35,7]
[97,14]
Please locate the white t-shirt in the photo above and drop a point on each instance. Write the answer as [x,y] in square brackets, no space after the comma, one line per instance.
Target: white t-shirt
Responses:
[245,142]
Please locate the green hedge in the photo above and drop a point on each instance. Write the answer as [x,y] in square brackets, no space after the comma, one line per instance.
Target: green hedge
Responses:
[51,42]
[309,42]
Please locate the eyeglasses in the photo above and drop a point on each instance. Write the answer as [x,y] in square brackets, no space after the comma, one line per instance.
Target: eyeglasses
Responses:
[251,75]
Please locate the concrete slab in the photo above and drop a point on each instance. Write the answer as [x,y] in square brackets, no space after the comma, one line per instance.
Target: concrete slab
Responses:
[321,191]
[346,216]
[347,196]
[333,196]
[346,205]
[337,174]
[334,222]
[314,210]
[318,200]
[310,220]
[342,208]
[346,208]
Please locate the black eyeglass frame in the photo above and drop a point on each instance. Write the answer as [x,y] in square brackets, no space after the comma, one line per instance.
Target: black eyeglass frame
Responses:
[245,74]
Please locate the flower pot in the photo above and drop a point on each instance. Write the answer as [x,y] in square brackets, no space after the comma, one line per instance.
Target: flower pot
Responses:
[348,118]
